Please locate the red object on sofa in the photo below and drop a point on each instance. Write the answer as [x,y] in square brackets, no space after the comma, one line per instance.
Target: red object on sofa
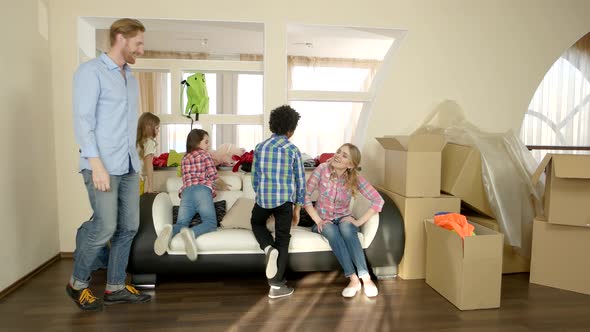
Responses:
[325,157]
[161,160]
[246,158]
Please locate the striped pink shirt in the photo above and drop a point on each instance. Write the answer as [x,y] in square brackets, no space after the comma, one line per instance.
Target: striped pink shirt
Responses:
[198,168]
[334,197]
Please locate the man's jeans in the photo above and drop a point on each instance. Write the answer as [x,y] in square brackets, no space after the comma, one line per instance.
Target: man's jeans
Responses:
[102,261]
[196,199]
[345,243]
[116,218]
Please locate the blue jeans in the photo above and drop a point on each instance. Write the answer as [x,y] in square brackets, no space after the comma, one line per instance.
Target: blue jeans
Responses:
[344,241]
[102,261]
[196,199]
[116,218]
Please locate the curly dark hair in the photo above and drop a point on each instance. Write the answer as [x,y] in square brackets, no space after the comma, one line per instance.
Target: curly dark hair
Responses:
[283,119]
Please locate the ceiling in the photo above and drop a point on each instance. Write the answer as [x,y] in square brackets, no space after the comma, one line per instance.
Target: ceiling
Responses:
[229,39]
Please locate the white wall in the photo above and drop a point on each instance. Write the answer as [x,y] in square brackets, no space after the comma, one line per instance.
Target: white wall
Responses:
[488,56]
[28,204]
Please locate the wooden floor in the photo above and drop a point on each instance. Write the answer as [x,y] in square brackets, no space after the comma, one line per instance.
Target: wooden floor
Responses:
[241,304]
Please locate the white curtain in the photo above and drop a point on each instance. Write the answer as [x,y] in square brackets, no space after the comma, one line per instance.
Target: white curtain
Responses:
[559,113]
[325,126]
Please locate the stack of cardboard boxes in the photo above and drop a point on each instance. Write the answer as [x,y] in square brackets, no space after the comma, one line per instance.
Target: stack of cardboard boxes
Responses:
[462,177]
[466,272]
[561,238]
[412,180]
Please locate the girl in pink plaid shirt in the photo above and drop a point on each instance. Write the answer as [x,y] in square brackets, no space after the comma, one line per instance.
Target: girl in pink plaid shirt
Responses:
[199,176]
[337,180]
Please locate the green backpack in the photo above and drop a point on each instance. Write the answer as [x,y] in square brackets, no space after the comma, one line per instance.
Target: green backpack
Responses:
[198,99]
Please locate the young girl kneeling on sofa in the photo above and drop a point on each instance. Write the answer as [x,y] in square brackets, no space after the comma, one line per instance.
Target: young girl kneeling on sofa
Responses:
[196,196]
[337,181]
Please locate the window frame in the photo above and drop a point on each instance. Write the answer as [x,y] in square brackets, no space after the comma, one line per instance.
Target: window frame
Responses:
[177,67]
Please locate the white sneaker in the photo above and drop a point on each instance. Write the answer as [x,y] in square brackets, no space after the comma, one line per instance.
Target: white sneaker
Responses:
[351,291]
[271,263]
[190,246]
[163,240]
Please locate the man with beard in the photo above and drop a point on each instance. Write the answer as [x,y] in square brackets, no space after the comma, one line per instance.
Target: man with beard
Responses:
[105,101]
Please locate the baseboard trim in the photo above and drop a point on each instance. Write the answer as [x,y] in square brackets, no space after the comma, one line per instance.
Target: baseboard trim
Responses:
[17,284]
[66,255]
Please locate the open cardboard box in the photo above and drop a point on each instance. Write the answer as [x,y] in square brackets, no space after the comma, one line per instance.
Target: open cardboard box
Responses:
[512,261]
[567,189]
[466,272]
[414,210]
[412,164]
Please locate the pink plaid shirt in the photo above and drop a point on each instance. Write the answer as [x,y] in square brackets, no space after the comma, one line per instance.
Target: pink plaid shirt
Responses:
[334,198]
[198,168]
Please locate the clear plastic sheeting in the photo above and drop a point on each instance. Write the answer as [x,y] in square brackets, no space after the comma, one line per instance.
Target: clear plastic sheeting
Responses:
[507,166]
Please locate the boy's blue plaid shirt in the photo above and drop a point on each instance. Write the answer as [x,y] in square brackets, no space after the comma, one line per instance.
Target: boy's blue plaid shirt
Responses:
[278,175]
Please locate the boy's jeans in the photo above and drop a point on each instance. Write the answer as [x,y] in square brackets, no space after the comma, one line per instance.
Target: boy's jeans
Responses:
[116,218]
[283,217]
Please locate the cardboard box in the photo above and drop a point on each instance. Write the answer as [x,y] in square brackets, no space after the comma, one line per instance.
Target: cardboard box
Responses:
[512,261]
[461,176]
[414,210]
[412,164]
[567,189]
[466,272]
[561,256]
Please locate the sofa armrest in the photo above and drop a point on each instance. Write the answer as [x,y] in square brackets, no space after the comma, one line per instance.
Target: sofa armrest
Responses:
[369,230]
[161,211]
[359,206]
[387,247]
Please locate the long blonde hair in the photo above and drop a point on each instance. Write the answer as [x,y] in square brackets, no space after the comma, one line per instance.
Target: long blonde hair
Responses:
[146,129]
[352,180]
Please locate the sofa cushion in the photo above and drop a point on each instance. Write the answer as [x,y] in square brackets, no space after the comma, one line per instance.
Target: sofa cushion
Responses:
[242,241]
[222,241]
[238,216]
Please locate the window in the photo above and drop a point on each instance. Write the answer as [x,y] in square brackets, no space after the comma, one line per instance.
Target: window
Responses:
[331,78]
[313,136]
[559,113]
[173,136]
[230,93]
[244,136]
[330,74]
[250,87]
[341,76]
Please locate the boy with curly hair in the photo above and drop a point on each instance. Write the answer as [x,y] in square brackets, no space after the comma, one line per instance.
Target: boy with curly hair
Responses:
[278,178]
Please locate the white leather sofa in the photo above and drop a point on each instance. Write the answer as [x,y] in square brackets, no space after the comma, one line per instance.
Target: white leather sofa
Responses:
[230,250]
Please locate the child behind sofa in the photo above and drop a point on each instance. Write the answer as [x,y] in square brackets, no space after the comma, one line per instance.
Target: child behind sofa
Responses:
[148,127]
[196,196]
[278,178]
